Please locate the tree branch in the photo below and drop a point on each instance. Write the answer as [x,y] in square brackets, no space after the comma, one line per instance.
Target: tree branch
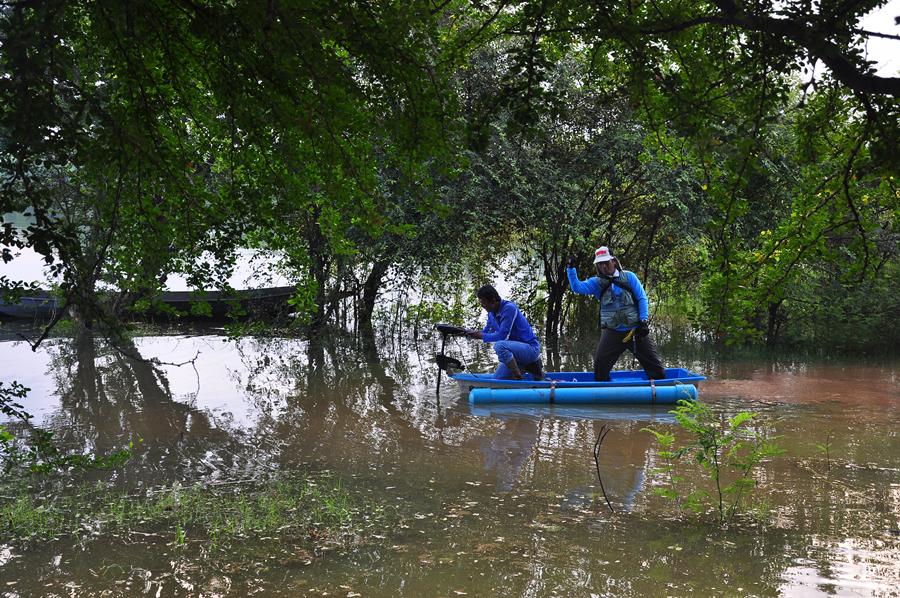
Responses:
[814,41]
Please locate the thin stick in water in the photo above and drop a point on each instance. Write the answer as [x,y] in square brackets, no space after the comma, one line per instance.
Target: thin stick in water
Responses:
[603,432]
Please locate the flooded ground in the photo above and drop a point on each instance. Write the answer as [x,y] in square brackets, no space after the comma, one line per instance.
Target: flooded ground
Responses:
[484,501]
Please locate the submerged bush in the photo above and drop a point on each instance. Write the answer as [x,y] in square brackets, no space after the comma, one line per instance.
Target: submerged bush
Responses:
[39,454]
[318,510]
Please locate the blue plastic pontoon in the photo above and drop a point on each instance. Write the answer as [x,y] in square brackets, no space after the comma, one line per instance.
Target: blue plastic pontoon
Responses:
[624,387]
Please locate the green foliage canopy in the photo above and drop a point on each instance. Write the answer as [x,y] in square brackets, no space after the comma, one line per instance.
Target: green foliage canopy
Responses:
[152,138]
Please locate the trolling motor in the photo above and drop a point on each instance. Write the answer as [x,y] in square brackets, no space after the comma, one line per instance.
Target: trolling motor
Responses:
[446,363]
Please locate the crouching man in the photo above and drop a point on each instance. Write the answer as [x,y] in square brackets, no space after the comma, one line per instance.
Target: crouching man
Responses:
[515,343]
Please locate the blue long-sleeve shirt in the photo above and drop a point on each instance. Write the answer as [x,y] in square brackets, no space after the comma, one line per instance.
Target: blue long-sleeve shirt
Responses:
[507,324]
[591,286]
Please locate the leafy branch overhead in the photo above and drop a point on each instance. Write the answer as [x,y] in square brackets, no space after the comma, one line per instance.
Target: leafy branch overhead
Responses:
[789,33]
[793,30]
[367,144]
[695,52]
[148,139]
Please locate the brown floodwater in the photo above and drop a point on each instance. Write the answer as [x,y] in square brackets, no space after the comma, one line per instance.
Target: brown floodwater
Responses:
[490,501]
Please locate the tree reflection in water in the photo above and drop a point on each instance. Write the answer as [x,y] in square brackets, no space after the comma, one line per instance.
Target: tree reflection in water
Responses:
[110,395]
[367,410]
[333,398]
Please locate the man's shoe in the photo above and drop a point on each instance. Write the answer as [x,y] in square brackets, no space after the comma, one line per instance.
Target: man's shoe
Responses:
[514,368]
[536,369]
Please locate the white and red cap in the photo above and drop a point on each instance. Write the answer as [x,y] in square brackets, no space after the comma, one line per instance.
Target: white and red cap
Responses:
[602,254]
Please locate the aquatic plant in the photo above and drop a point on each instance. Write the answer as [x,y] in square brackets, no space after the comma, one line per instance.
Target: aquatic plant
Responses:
[315,508]
[9,405]
[39,454]
[727,452]
[825,448]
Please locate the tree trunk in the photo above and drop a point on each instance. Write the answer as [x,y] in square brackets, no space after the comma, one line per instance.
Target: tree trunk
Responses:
[555,276]
[773,326]
[554,313]
[370,292]
[86,380]
[318,270]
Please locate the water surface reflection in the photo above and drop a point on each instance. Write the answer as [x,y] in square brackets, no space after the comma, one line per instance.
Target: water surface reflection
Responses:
[500,501]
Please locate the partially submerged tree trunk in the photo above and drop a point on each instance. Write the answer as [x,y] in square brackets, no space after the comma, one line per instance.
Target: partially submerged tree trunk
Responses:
[319,263]
[85,382]
[773,324]
[556,288]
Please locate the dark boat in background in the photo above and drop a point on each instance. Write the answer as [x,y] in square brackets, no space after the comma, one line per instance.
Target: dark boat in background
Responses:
[272,301]
[37,305]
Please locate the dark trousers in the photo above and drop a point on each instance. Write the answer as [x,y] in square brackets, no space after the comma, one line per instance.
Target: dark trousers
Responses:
[611,346]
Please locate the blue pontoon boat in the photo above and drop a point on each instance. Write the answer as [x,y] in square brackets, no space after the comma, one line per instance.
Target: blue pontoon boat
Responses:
[624,387]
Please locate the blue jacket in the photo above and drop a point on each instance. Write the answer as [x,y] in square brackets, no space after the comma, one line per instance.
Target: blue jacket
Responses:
[508,324]
[592,286]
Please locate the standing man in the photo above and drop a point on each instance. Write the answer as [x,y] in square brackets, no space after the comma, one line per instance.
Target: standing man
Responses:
[624,315]
[515,343]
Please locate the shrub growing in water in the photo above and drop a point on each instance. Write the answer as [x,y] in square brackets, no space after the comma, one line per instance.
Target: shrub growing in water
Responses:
[41,455]
[727,452]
